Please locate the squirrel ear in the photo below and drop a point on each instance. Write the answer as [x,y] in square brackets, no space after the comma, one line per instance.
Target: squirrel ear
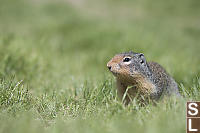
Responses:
[142,58]
[141,54]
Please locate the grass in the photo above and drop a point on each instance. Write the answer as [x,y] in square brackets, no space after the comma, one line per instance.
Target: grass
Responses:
[53,55]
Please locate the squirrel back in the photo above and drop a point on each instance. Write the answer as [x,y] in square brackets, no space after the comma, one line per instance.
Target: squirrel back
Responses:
[164,83]
[149,78]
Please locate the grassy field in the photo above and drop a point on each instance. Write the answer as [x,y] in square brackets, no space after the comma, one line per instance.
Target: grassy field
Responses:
[53,55]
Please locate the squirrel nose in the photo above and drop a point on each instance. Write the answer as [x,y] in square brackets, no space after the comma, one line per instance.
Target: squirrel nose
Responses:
[109,67]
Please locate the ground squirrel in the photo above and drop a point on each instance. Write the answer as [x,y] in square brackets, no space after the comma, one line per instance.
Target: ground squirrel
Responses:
[150,79]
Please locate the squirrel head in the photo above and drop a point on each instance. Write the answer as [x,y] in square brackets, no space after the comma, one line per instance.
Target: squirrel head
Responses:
[128,65]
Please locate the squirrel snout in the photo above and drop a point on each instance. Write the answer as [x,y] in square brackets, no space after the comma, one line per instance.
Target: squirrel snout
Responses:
[113,67]
[109,67]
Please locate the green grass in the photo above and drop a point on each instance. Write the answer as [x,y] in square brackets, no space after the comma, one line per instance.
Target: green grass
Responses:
[53,55]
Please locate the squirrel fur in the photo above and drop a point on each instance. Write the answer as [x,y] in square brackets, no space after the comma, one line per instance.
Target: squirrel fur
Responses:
[134,73]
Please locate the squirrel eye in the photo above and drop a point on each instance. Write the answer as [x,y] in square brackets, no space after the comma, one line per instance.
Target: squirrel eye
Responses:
[126,59]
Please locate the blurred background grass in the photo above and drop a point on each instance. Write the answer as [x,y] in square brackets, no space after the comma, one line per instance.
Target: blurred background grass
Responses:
[53,57]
